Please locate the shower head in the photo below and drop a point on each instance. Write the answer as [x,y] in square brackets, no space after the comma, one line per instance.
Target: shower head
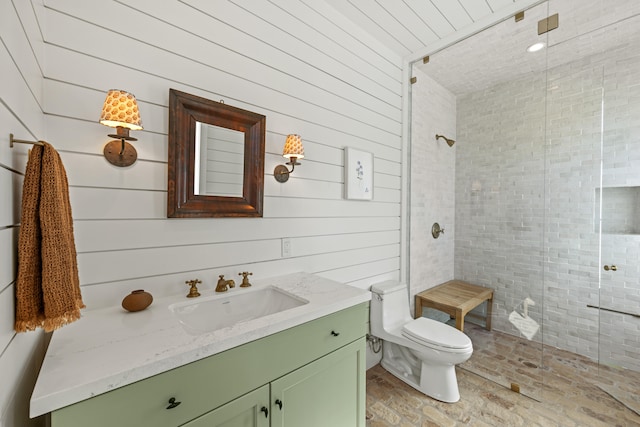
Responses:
[449,142]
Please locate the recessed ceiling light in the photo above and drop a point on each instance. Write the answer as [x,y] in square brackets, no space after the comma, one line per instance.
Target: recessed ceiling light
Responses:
[536,47]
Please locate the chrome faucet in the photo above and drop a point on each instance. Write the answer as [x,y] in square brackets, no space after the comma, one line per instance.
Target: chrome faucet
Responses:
[224,285]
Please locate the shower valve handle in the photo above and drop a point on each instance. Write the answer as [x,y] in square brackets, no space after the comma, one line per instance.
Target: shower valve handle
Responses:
[436,230]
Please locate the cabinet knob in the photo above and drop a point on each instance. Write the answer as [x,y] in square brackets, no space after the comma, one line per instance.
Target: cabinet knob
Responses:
[279,403]
[334,333]
[173,403]
[612,268]
[266,411]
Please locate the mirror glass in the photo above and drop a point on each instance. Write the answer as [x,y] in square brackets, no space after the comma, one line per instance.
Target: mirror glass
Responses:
[219,161]
[215,159]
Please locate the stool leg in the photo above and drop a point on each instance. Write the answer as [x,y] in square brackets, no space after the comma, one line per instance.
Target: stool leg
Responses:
[489,310]
[418,311]
[459,320]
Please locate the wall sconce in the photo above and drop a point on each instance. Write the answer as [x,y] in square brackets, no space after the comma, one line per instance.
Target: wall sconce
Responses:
[293,150]
[120,111]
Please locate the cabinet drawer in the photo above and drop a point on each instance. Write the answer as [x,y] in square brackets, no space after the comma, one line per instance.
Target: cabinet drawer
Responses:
[209,383]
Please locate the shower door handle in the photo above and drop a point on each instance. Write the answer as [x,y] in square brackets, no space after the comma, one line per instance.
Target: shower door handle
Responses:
[612,268]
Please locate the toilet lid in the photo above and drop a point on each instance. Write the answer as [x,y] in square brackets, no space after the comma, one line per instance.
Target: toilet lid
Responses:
[433,333]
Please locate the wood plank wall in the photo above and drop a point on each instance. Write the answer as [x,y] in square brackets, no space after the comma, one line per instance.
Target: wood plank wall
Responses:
[299,63]
[21,113]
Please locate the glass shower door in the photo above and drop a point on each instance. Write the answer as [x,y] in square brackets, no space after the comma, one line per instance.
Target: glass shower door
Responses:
[500,196]
[619,214]
[572,236]
[592,237]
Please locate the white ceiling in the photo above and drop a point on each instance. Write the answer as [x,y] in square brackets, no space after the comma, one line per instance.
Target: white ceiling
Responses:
[441,28]
[410,26]
[498,54]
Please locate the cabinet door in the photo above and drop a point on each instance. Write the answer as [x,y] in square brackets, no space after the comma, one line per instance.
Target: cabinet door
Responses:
[250,410]
[327,392]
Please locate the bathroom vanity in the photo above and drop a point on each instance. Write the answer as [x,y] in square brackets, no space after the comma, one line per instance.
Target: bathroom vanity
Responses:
[300,366]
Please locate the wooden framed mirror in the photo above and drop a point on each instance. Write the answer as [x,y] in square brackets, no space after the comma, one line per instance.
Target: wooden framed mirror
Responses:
[216,159]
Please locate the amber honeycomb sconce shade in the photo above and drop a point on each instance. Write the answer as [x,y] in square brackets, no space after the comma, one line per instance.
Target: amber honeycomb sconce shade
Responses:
[120,111]
[293,150]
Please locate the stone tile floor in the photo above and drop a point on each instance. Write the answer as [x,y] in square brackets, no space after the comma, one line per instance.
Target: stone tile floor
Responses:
[558,388]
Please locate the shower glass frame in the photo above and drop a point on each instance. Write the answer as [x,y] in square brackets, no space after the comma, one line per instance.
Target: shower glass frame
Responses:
[560,183]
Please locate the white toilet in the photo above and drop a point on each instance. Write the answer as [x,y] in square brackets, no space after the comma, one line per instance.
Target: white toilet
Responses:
[421,352]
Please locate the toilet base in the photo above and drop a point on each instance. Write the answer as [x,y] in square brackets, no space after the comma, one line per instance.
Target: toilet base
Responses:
[436,381]
[440,382]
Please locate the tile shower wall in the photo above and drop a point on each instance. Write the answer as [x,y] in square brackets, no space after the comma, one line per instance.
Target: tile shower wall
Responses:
[499,193]
[574,109]
[433,111]
[520,230]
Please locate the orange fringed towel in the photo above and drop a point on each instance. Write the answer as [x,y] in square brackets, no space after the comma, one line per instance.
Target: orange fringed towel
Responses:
[48,288]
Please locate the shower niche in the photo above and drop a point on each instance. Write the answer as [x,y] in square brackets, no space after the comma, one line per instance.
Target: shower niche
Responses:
[617,210]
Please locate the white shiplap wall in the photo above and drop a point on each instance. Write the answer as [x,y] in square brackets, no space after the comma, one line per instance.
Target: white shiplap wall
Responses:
[21,100]
[299,64]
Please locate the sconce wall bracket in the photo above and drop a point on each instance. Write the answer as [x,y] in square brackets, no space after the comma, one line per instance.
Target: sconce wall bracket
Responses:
[281,173]
[119,152]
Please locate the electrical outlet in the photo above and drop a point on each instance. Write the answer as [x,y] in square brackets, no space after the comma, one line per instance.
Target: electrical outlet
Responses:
[286,247]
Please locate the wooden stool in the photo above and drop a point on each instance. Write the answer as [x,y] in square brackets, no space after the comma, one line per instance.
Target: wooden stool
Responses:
[456,298]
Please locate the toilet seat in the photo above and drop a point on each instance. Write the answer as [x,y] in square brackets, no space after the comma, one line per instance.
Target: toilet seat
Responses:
[437,335]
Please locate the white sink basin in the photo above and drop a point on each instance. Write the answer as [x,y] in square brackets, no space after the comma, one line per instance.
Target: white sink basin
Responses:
[208,314]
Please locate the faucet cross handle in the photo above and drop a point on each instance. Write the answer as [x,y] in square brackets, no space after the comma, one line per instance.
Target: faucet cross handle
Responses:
[245,279]
[193,292]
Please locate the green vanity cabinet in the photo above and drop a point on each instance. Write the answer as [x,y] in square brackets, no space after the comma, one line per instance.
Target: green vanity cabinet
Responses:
[327,392]
[316,371]
[250,410]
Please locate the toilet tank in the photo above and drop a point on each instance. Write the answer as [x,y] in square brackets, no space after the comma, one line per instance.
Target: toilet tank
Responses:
[389,306]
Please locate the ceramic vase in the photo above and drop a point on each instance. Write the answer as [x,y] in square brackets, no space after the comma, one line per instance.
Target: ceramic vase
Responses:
[137,300]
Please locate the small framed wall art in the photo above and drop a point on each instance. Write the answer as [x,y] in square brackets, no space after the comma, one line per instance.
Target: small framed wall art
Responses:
[358,174]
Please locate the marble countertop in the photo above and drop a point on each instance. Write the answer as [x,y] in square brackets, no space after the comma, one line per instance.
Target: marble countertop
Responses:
[110,348]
